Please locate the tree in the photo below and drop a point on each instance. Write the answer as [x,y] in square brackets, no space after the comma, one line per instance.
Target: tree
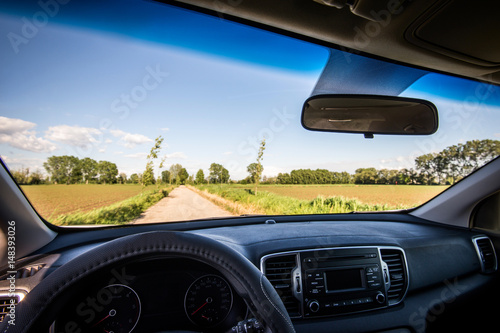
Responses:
[21,176]
[88,169]
[432,166]
[174,170]
[200,177]
[134,178]
[366,176]
[252,170]
[218,174]
[165,176]
[63,169]
[148,177]
[108,172]
[457,161]
[259,168]
[182,176]
[122,178]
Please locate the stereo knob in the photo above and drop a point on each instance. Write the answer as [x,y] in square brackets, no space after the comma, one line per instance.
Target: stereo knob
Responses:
[380,298]
[314,306]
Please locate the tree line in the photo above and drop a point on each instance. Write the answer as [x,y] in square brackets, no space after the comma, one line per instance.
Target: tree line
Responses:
[72,170]
[446,167]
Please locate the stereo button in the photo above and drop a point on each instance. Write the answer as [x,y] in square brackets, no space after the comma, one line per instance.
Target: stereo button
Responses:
[314,306]
[380,298]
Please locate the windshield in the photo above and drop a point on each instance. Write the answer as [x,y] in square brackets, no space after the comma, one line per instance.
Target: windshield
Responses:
[137,112]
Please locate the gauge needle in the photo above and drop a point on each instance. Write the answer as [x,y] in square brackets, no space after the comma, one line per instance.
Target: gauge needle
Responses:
[100,321]
[192,314]
[111,313]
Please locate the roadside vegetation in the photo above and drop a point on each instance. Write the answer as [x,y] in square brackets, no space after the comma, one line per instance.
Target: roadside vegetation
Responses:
[265,202]
[93,204]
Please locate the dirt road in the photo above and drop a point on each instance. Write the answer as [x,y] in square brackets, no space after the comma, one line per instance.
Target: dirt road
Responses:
[181,204]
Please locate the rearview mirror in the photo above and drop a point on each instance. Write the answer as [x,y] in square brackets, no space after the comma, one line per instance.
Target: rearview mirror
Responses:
[369,115]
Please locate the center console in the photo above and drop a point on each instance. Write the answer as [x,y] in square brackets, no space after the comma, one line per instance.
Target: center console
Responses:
[335,281]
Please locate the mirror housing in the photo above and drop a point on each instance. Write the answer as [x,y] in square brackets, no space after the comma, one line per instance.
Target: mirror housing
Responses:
[369,115]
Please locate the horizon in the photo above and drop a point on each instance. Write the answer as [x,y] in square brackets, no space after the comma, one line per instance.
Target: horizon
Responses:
[65,92]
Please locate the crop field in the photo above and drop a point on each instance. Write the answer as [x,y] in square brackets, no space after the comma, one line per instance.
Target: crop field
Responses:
[54,201]
[318,199]
[391,195]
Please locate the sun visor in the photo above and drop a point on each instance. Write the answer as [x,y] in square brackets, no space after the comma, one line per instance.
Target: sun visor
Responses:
[457,30]
[347,73]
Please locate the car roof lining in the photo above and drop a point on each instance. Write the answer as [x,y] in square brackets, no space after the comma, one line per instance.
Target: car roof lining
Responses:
[394,37]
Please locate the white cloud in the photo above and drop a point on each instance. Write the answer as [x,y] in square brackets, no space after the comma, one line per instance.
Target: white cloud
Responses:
[130,140]
[76,136]
[19,134]
[15,163]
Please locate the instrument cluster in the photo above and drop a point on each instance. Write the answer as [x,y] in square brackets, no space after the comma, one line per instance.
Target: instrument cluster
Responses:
[152,296]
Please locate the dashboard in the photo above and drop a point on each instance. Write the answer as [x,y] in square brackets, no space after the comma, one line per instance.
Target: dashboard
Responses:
[360,276]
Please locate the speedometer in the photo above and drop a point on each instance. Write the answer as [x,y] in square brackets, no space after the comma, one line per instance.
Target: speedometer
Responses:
[115,308]
[208,301]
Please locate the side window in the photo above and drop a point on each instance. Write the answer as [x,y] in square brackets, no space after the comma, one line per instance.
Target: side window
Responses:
[487,214]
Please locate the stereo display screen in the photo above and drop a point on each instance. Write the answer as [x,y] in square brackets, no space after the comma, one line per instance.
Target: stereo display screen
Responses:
[341,279]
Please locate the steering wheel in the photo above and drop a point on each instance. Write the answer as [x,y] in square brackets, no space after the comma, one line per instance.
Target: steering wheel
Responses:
[244,277]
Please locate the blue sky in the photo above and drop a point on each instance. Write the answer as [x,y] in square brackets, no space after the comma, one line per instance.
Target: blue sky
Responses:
[210,88]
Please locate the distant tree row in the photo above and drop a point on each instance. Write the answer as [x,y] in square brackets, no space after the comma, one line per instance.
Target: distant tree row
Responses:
[457,161]
[23,176]
[319,176]
[72,170]
[177,174]
[446,167]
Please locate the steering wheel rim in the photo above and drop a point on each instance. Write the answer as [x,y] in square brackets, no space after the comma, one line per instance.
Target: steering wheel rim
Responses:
[243,276]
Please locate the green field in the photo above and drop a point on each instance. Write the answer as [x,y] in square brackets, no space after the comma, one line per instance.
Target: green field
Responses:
[391,195]
[321,199]
[92,203]
[110,204]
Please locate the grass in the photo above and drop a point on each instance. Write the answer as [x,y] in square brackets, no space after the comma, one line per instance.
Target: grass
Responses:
[390,195]
[92,204]
[267,202]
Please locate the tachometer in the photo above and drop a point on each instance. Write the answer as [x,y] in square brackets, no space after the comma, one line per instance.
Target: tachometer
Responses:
[208,301]
[115,308]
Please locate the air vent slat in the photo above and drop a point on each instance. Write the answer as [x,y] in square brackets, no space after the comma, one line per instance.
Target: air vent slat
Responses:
[278,271]
[394,259]
[486,253]
[25,272]
[5,304]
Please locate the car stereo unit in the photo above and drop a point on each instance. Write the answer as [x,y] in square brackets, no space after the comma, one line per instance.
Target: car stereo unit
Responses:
[337,280]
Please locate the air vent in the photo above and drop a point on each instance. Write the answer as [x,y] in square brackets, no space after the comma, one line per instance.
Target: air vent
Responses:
[5,304]
[486,253]
[395,261]
[278,271]
[25,272]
